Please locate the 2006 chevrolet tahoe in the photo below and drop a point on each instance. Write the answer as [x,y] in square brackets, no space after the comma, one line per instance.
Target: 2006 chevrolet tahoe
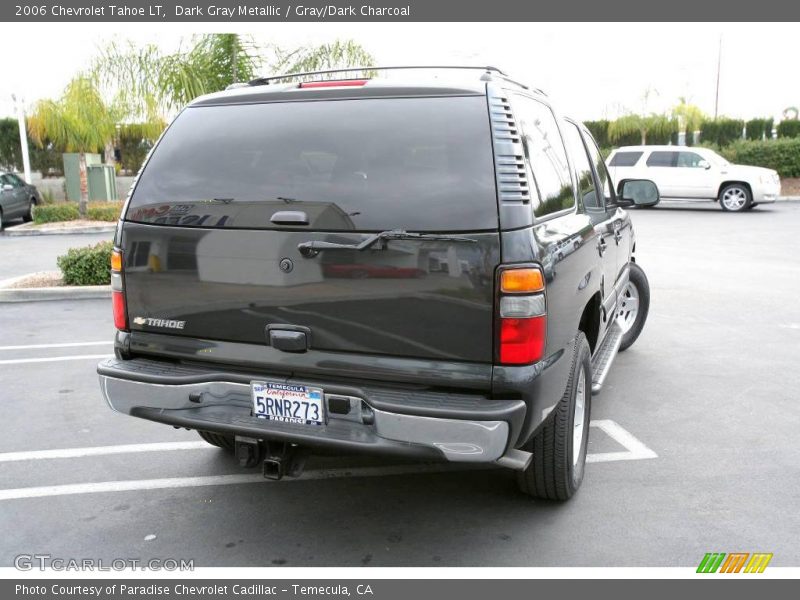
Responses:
[428,268]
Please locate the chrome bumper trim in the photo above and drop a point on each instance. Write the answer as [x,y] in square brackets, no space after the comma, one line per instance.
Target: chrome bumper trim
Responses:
[457,440]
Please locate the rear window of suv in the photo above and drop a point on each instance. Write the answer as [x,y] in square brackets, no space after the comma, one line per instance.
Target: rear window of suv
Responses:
[625,159]
[352,165]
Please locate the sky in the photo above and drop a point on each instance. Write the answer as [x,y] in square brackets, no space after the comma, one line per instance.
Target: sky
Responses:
[592,71]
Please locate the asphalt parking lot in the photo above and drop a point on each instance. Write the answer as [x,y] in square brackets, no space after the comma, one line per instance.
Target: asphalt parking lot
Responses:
[693,450]
[29,254]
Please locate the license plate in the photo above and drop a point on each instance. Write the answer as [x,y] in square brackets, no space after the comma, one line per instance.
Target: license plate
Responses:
[288,403]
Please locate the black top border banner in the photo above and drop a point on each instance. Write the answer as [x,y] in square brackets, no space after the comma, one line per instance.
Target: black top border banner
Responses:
[252,11]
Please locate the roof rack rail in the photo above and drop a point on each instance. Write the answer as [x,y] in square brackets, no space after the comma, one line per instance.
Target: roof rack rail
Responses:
[488,70]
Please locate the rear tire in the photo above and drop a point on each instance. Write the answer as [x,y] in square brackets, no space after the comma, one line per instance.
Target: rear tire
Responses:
[638,289]
[28,216]
[226,442]
[1,220]
[735,197]
[556,470]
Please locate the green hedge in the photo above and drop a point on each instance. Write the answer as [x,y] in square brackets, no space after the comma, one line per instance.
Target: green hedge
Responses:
[783,155]
[51,213]
[599,131]
[789,129]
[633,139]
[90,265]
[759,129]
[722,131]
[68,211]
[104,211]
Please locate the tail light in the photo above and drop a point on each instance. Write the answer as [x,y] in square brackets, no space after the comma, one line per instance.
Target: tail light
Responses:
[118,291]
[522,316]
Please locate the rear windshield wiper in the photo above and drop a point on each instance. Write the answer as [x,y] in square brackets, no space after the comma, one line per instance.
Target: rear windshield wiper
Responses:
[310,249]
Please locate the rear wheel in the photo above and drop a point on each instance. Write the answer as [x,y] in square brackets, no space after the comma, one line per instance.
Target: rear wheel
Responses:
[226,442]
[1,220]
[28,216]
[559,449]
[735,197]
[633,306]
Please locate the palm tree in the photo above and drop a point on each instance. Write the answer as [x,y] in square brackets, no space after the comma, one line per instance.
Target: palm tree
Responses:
[155,83]
[653,123]
[690,117]
[80,121]
[337,55]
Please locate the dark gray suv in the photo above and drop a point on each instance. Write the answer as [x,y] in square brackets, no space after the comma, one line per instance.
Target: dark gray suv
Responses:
[436,269]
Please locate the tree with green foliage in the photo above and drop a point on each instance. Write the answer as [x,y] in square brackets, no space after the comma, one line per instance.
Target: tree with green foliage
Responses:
[151,83]
[689,116]
[653,125]
[599,131]
[789,128]
[336,55]
[79,121]
[722,131]
[759,129]
[135,141]
[10,153]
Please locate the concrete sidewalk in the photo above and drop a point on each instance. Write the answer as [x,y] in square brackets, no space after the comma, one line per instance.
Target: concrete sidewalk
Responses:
[28,229]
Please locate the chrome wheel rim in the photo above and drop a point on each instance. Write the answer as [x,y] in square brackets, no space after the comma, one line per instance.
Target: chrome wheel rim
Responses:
[628,307]
[734,198]
[579,419]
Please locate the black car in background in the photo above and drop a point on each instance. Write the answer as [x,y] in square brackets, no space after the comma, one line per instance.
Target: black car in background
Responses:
[262,289]
[17,199]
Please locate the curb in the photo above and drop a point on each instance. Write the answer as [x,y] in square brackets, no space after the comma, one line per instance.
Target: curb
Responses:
[83,292]
[12,232]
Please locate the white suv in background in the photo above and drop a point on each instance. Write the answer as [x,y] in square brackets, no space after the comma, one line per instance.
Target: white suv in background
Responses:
[689,173]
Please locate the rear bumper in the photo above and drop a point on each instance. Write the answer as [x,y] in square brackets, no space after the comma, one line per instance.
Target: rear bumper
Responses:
[412,423]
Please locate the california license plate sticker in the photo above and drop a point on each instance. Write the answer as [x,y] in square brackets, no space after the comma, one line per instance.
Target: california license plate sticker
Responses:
[288,403]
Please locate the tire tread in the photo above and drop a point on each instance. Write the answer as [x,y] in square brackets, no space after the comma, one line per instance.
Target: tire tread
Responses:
[219,440]
[550,472]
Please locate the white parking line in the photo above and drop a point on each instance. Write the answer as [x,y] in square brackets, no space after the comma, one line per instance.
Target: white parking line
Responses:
[186,482]
[635,449]
[64,345]
[102,451]
[22,361]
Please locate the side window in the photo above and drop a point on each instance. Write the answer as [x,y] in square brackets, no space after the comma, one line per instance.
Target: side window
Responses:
[546,156]
[625,159]
[583,167]
[600,168]
[662,159]
[689,159]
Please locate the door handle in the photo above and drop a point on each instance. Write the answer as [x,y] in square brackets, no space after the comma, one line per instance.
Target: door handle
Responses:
[289,338]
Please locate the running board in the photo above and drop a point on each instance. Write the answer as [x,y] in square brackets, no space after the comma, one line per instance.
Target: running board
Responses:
[604,357]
